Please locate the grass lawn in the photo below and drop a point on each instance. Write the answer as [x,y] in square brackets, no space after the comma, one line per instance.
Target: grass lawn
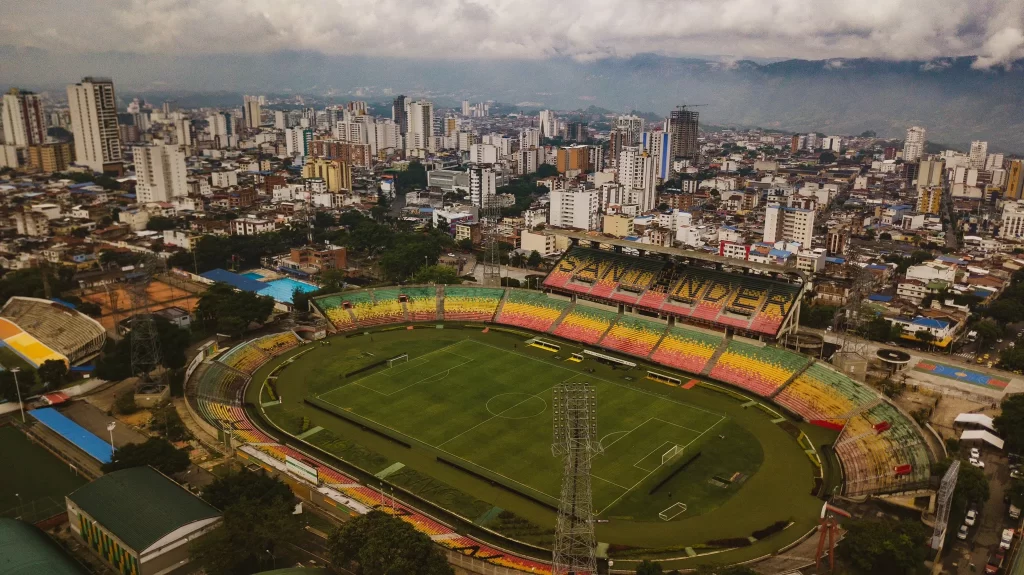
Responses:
[39,478]
[9,360]
[482,401]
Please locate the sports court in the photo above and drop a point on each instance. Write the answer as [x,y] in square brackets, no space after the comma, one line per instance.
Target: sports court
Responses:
[488,409]
[116,304]
[961,374]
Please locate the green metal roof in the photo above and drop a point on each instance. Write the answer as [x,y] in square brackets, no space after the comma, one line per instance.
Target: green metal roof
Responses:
[25,550]
[140,505]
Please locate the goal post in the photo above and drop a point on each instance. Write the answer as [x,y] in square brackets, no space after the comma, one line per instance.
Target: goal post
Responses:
[399,359]
[672,453]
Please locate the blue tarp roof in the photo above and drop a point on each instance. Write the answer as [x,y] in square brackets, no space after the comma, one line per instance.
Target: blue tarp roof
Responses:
[76,434]
[880,298]
[82,185]
[876,267]
[234,280]
[64,303]
[779,253]
[835,260]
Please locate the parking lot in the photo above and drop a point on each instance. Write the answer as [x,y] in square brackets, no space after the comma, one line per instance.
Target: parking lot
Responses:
[982,542]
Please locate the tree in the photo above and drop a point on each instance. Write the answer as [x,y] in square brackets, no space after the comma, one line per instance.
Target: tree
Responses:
[439,274]
[924,336]
[155,451]
[988,331]
[1006,310]
[8,390]
[384,545]
[160,223]
[257,518]
[167,422]
[648,567]
[1010,422]
[52,372]
[516,259]
[231,312]
[971,487]
[465,244]
[884,547]
[817,316]
[885,236]
[534,260]
[124,403]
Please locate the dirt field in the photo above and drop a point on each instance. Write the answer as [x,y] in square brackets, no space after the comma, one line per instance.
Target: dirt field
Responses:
[948,407]
[116,302]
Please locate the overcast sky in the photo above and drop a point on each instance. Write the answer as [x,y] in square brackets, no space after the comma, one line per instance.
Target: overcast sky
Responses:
[993,30]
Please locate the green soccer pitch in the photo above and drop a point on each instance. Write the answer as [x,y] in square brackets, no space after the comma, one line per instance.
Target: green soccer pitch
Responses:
[472,410]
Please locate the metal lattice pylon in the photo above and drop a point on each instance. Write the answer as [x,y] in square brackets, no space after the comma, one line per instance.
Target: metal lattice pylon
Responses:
[490,214]
[575,441]
[145,341]
[943,501]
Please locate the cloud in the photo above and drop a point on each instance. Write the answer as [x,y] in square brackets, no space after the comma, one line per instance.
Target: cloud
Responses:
[487,29]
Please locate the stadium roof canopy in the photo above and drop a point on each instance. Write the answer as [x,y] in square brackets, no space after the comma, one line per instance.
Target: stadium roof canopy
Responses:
[141,506]
[25,550]
[979,435]
[79,436]
[692,254]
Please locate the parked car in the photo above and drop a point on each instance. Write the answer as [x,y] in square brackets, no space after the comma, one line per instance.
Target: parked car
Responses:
[1007,539]
[995,563]
[962,534]
[1016,474]
[977,462]
[975,453]
[972,517]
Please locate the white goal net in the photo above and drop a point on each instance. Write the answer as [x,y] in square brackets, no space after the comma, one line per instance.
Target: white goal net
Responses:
[397,360]
[673,452]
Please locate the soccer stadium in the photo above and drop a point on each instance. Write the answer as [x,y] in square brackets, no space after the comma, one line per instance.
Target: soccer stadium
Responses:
[38,330]
[434,404]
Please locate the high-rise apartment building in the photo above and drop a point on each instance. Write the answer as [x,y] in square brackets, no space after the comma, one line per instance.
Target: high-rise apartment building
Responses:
[160,173]
[577,132]
[482,186]
[1015,180]
[929,199]
[483,154]
[913,146]
[994,162]
[574,208]
[636,174]
[297,141]
[50,158]
[400,114]
[1012,221]
[280,120]
[420,135]
[252,108]
[978,154]
[930,173]
[548,124]
[337,175]
[632,127]
[616,143]
[659,146]
[573,158]
[24,124]
[529,138]
[183,131]
[683,128]
[93,107]
[782,223]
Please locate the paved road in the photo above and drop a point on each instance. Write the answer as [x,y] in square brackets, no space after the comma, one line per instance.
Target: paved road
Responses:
[971,556]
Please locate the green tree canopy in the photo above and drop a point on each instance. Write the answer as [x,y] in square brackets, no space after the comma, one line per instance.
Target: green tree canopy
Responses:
[648,567]
[155,451]
[971,487]
[1010,422]
[160,223]
[258,517]
[817,316]
[439,274]
[534,260]
[231,311]
[52,372]
[383,545]
[884,547]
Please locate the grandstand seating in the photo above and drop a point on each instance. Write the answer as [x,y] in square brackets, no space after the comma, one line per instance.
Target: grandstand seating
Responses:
[634,336]
[604,274]
[532,310]
[585,324]
[249,356]
[882,451]
[759,369]
[777,304]
[421,303]
[385,308]
[69,333]
[471,304]
[334,308]
[686,349]
[821,393]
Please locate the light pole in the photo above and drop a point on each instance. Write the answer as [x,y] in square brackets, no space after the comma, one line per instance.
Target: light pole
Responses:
[110,428]
[21,405]
[21,504]
[273,560]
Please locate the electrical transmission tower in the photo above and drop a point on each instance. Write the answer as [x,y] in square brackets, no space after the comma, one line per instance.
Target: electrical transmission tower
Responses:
[575,441]
[848,322]
[943,502]
[145,341]
[490,213]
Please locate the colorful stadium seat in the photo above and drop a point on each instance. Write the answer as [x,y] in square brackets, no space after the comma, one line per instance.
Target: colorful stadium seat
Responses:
[67,333]
[421,303]
[605,274]
[821,393]
[686,349]
[532,310]
[634,336]
[471,304]
[585,324]
[759,369]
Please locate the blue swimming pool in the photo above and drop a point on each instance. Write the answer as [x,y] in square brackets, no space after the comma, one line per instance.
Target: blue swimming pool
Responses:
[282,289]
[253,276]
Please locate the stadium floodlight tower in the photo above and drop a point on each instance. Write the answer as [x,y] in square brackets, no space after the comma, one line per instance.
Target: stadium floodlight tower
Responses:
[575,441]
[849,321]
[145,342]
[943,502]
[490,213]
